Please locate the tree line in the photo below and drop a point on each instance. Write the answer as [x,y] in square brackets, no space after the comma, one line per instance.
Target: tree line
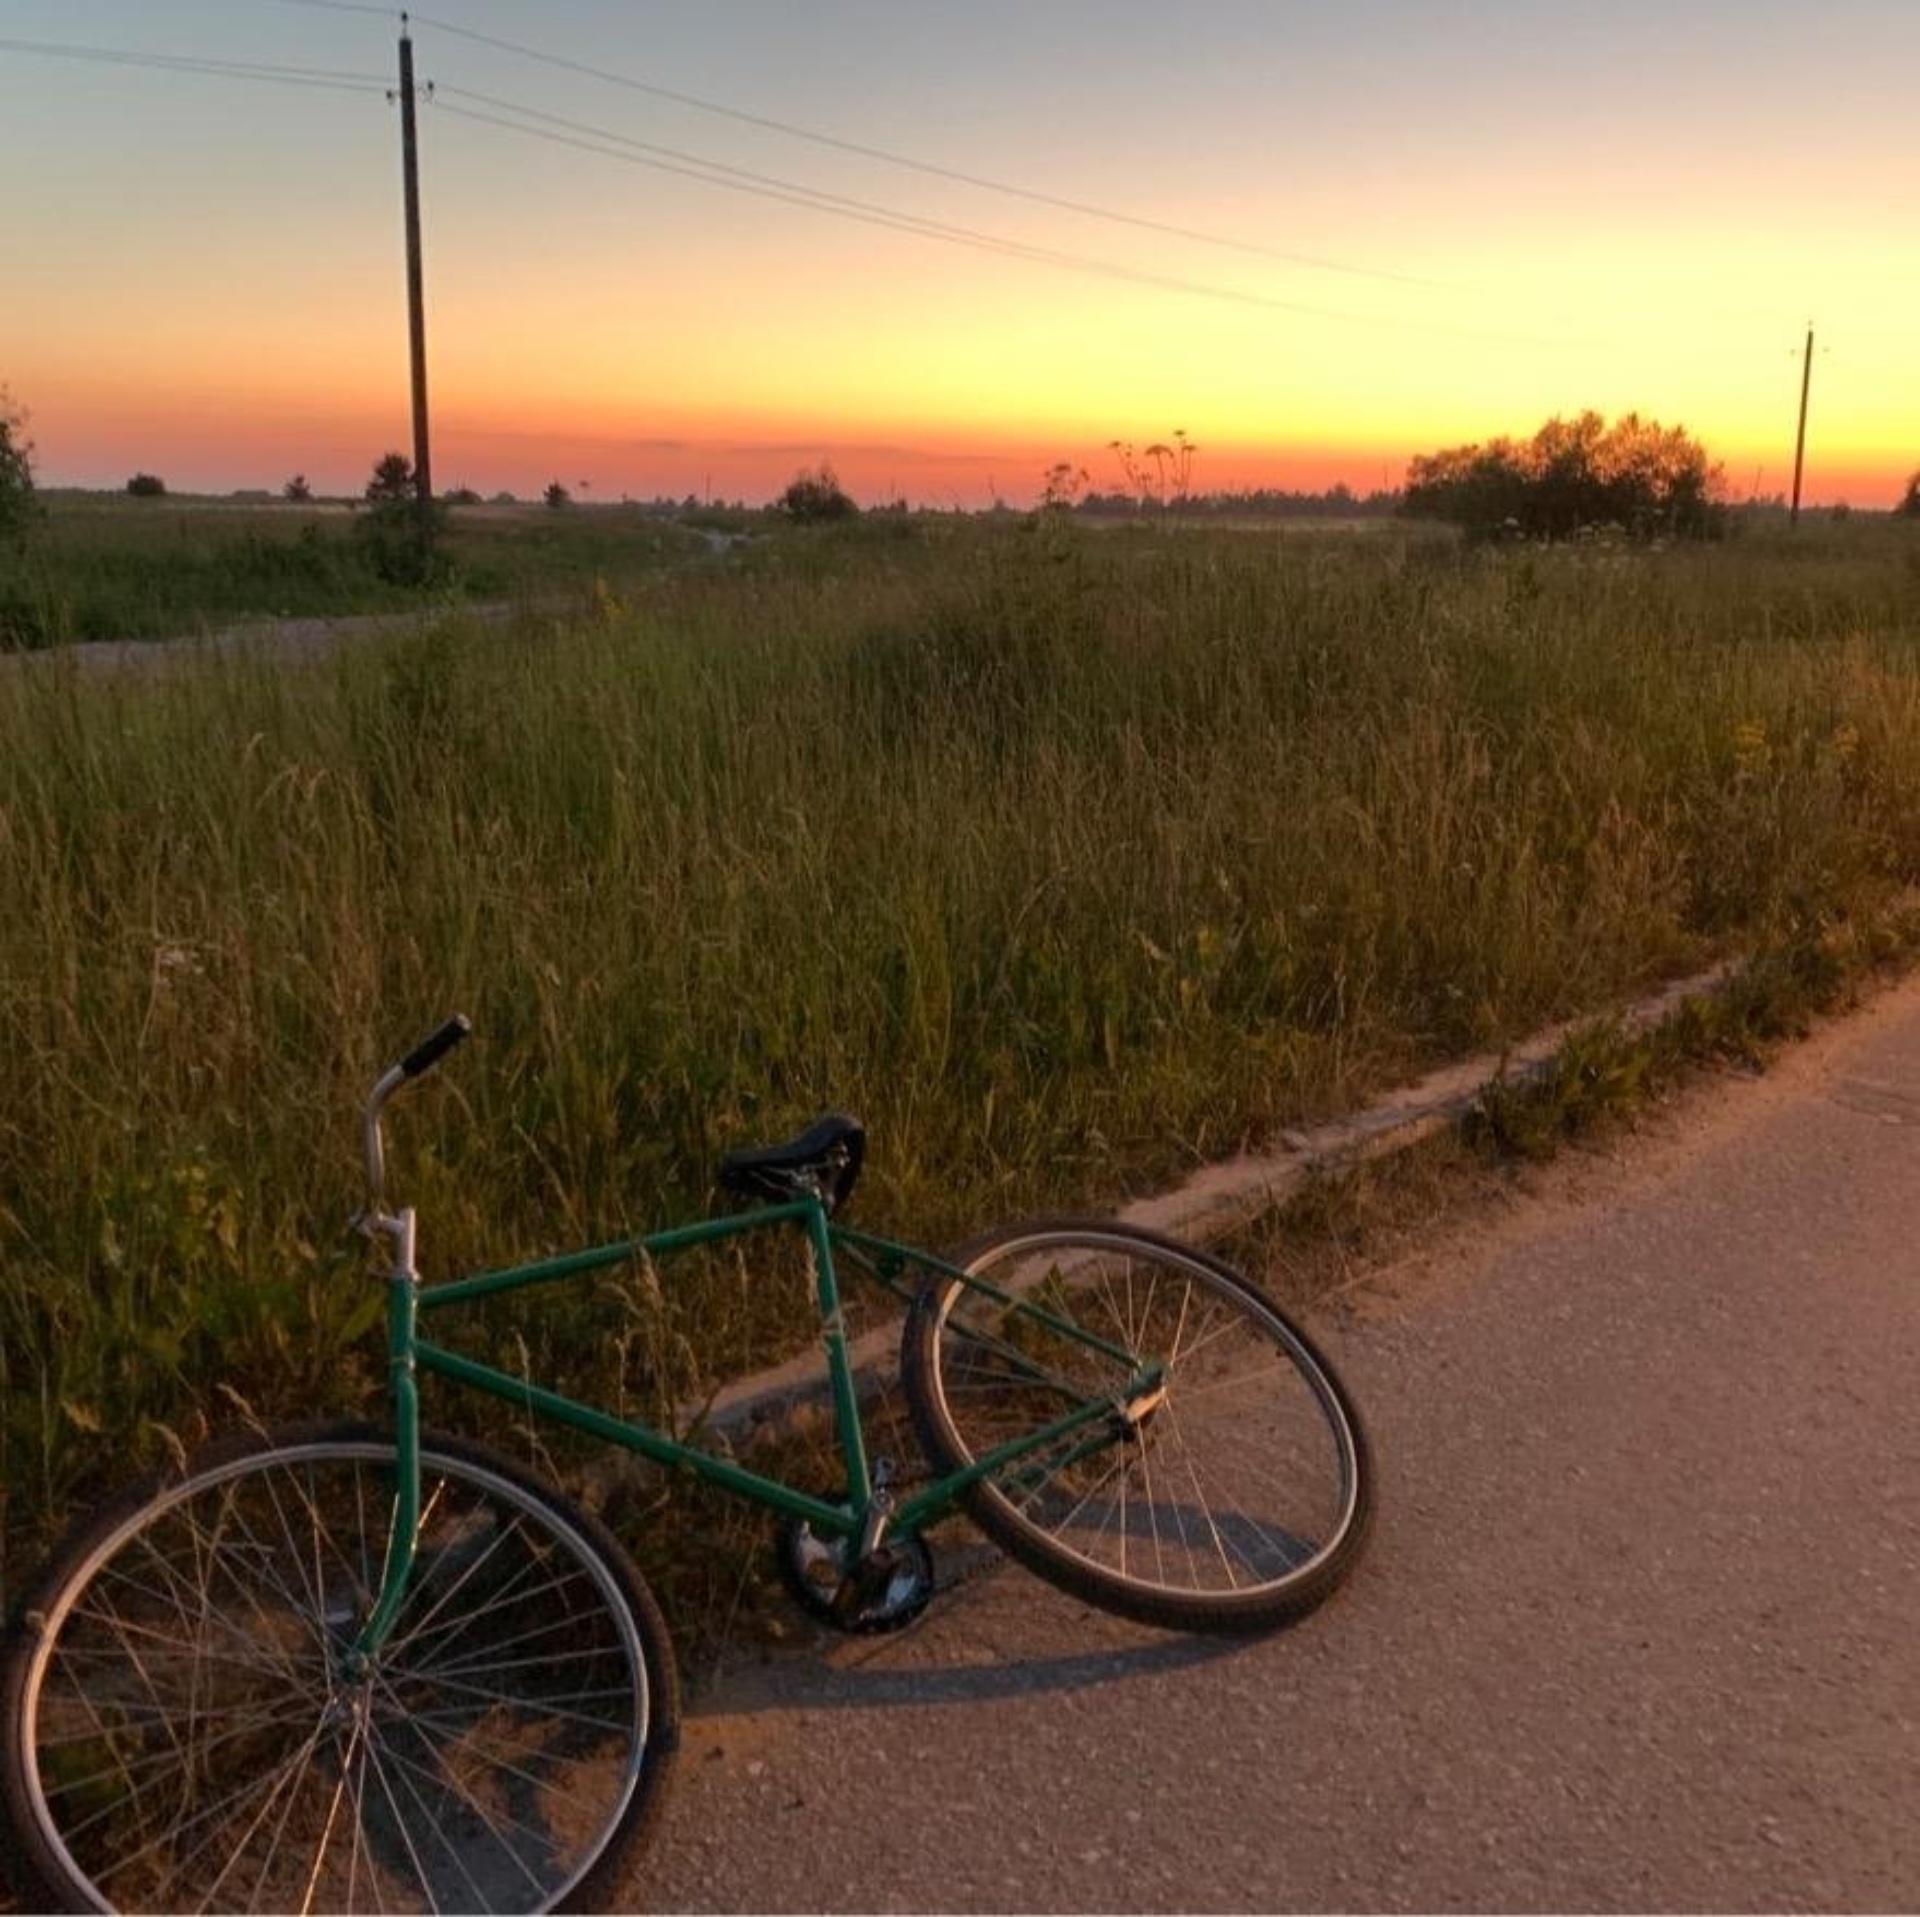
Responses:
[1574,475]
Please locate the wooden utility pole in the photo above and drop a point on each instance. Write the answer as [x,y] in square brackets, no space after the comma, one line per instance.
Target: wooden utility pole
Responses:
[1800,438]
[416,308]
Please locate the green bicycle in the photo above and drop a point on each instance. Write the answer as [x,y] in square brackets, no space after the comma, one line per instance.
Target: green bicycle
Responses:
[345,1667]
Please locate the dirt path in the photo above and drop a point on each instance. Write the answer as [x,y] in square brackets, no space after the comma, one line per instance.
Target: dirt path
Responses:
[286,638]
[1638,1628]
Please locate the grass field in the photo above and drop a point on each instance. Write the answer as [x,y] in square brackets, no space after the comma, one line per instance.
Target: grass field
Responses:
[1066,860]
[115,568]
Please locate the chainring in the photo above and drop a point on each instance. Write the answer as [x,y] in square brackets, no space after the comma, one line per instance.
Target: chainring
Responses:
[889,1589]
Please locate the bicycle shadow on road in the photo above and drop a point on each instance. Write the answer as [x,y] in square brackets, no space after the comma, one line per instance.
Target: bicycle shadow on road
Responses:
[1001,1636]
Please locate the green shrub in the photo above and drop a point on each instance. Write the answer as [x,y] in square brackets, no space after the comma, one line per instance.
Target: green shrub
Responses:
[18,507]
[815,498]
[1636,476]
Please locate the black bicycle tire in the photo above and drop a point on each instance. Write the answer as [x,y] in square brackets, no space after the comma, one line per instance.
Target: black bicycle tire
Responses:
[595,1885]
[1268,1607]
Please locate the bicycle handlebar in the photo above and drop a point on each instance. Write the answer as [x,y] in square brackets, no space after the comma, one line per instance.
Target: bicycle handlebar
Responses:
[430,1051]
[424,1056]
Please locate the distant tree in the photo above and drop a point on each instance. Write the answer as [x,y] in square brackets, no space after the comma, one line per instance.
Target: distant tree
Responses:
[147,486]
[462,496]
[1909,506]
[18,507]
[1646,479]
[297,491]
[400,532]
[1339,501]
[505,499]
[815,498]
[392,478]
[557,497]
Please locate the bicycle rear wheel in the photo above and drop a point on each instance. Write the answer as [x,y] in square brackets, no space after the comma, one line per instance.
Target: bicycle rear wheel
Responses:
[180,1734]
[1225,1483]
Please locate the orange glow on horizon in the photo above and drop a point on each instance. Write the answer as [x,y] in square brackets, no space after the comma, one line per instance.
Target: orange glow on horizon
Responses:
[957,392]
[258,439]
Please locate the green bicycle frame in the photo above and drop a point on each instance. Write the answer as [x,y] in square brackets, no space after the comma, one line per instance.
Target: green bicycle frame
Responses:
[867,1510]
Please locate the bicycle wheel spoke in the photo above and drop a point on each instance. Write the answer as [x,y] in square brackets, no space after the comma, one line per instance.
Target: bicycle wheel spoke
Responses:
[544,1706]
[1225,1329]
[451,1780]
[434,1659]
[512,1595]
[264,1564]
[1213,1530]
[263,1875]
[160,1763]
[400,1827]
[485,1665]
[356,1778]
[405,1770]
[1153,1515]
[124,1633]
[270,1782]
[446,1597]
[1285,1545]
[326,1828]
[327,1540]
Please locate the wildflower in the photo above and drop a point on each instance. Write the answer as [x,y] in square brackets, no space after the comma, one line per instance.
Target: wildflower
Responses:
[1750,749]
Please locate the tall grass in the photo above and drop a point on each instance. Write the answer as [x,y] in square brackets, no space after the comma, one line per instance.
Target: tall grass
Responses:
[1064,861]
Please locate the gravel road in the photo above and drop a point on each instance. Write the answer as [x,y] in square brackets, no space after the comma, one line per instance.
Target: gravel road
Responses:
[1637,1628]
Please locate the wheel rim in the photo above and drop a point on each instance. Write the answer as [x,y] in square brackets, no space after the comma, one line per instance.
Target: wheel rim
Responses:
[1228,1478]
[195,1744]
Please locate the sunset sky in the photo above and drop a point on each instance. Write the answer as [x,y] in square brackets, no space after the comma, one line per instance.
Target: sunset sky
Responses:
[1407,225]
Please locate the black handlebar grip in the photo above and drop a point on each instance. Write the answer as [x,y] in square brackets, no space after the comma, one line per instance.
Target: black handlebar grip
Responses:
[430,1051]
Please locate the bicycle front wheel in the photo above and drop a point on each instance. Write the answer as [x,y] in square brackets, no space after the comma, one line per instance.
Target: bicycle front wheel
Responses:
[181,1731]
[1172,1448]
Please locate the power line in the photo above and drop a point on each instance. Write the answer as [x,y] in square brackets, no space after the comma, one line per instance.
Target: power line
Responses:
[605,143]
[615,146]
[180,63]
[889,158]
[620,146]
[343,6]
[581,137]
